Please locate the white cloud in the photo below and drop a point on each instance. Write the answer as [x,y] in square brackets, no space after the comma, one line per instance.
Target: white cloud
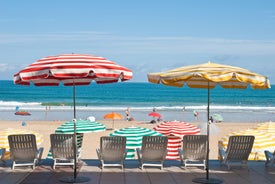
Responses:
[3,67]
[142,44]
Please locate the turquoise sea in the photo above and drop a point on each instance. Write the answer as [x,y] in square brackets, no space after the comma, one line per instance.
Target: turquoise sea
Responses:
[55,103]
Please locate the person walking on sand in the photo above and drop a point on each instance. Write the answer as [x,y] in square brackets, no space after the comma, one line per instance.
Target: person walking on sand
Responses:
[127,112]
[196,115]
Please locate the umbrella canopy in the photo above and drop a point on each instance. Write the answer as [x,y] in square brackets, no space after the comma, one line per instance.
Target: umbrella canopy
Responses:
[134,138]
[4,143]
[113,116]
[72,70]
[268,127]
[263,141]
[217,117]
[82,126]
[207,76]
[154,114]
[175,131]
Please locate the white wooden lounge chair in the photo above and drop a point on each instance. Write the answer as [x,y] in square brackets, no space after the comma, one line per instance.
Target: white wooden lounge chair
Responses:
[237,152]
[270,158]
[23,150]
[153,151]
[112,151]
[193,152]
[62,148]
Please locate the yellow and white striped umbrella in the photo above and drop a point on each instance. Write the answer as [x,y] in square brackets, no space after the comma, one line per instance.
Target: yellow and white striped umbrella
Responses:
[268,127]
[208,75]
[263,141]
[4,143]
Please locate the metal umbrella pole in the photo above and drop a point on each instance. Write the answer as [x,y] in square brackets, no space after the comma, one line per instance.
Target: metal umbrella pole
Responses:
[75,179]
[207,179]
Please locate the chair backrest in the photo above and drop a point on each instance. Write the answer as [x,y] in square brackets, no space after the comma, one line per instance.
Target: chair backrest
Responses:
[113,148]
[62,146]
[239,147]
[154,148]
[22,147]
[194,147]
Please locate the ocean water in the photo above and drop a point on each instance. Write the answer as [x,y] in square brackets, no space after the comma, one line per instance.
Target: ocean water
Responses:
[56,103]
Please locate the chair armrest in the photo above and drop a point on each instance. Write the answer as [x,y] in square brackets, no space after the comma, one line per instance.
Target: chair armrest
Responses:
[222,152]
[98,151]
[79,151]
[40,153]
[269,155]
[164,156]
[125,153]
[180,153]
[138,153]
[2,154]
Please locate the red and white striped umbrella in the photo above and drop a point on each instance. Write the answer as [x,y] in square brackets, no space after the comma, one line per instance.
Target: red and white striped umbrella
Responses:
[175,131]
[72,70]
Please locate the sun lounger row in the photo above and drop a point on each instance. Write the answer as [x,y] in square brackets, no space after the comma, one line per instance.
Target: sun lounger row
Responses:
[112,150]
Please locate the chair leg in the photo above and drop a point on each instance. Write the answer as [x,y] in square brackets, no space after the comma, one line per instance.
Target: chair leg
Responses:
[13,165]
[54,162]
[184,164]
[122,165]
[33,165]
[102,164]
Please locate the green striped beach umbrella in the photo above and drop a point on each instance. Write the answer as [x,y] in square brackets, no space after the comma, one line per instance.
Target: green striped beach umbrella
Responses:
[134,138]
[82,126]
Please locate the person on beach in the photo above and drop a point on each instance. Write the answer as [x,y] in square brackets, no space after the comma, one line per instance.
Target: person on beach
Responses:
[127,112]
[183,109]
[196,114]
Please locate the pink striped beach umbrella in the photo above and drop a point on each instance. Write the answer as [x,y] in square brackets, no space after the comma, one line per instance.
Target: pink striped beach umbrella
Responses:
[175,131]
[72,70]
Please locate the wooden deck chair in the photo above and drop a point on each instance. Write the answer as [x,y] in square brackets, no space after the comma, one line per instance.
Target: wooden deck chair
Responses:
[153,151]
[112,151]
[23,150]
[270,158]
[237,152]
[193,152]
[62,148]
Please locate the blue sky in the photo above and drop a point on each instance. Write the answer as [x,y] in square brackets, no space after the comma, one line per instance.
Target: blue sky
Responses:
[144,35]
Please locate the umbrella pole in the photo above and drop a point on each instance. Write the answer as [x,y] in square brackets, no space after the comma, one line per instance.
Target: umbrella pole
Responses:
[75,148]
[207,179]
[75,179]
[208,122]
[74,120]
[74,101]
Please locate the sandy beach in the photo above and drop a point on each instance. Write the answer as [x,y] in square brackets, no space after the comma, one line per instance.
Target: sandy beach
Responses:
[91,140]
